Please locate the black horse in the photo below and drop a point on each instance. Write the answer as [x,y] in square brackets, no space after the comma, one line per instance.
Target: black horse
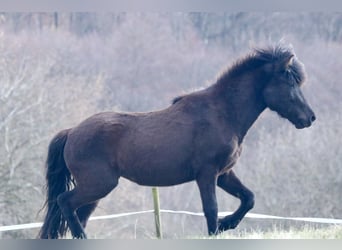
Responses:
[197,138]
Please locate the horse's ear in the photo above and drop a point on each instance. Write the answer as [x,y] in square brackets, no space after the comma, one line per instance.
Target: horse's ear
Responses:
[287,62]
[290,61]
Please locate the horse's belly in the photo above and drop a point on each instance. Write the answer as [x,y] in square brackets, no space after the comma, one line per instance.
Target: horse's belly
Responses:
[157,166]
[160,180]
[152,173]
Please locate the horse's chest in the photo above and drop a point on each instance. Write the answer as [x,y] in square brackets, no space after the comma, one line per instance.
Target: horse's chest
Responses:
[229,158]
[217,149]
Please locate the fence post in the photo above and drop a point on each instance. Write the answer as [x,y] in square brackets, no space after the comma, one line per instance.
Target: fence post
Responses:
[157,219]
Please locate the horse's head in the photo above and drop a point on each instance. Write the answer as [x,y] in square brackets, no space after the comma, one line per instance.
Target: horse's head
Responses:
[282,93]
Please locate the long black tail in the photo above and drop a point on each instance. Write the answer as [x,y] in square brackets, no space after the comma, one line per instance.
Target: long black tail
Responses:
[58,180]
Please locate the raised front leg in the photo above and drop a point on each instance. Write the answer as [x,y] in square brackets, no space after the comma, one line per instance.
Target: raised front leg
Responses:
[231,184]
[207,188]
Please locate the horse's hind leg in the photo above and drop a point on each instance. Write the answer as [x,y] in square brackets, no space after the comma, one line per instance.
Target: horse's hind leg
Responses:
[68,203]
[89,189]
[231,184]
[85,211]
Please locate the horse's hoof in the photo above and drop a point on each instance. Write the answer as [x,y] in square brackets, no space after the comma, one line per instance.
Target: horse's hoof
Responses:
[227,223]
[80,236]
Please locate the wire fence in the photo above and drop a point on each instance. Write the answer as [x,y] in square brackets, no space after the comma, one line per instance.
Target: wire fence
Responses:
[248,215]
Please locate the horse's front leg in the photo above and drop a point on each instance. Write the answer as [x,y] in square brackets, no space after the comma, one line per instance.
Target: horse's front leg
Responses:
[207,188]
[231,184]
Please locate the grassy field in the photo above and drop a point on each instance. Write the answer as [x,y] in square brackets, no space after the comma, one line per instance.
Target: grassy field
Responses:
[307,232]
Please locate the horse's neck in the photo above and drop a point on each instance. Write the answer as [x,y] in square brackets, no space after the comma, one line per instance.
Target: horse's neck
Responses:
[242,103]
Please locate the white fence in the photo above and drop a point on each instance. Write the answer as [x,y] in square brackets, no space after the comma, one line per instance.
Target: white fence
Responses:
[248,215]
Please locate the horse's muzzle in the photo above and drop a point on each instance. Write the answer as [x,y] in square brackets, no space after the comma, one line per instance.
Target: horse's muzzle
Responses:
[305,121]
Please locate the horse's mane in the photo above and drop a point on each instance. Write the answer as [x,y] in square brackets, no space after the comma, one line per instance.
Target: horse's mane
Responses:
[260,57]
[176,99]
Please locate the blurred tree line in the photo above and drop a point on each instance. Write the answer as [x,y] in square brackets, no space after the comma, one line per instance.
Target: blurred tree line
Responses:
[58,68]
[234,28]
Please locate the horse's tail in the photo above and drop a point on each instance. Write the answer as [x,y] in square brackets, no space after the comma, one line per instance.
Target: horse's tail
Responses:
[58,180]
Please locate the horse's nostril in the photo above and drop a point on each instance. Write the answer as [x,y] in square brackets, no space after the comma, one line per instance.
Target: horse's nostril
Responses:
[313,118]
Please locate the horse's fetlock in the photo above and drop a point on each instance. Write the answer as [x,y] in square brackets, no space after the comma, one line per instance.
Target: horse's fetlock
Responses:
[250,201]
